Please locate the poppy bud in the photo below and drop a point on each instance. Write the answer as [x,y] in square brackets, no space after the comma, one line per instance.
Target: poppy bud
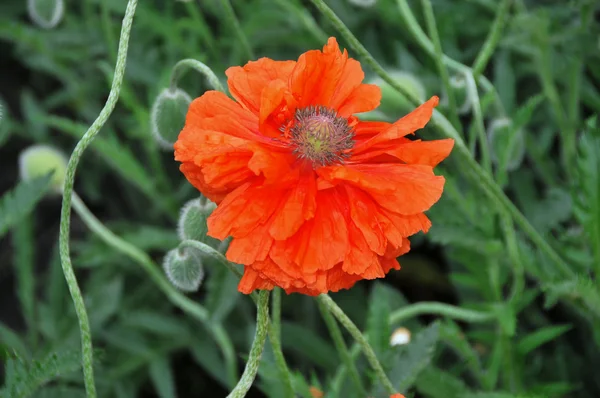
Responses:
[393,103]
[183,267]
[400,336]
[192,220]
[458,85]
[167,116]
[507,144]
[46,13]
[39,160]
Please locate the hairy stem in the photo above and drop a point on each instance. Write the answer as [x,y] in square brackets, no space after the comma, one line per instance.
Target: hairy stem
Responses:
[262,327]
[337,312]
[65,215]
[275,339]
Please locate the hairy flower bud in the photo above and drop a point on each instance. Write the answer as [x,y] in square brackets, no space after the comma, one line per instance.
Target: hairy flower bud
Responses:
[192,221]
[39,160]
[167,116]
[183,267]
[46,13]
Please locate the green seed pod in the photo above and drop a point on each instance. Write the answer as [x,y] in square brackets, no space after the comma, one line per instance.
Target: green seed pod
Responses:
[46,13]
[393,103]
[192,221]
[39,160]
[183,267]
[507,144]
[167,116]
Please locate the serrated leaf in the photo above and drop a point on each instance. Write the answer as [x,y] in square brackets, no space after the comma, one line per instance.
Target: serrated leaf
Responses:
[21,200]
[582,288]
[156,323]
[462,237]
[378,322]
[525,112]
[501,395]
[28,377]
[586,192]
[539,337]
[162,377]
[436,383]
[411,359]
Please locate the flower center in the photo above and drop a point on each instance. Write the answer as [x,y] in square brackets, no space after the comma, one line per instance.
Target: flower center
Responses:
[318,134]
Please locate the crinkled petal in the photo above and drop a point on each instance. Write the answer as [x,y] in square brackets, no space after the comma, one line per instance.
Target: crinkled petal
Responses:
[405,189]
[247,83]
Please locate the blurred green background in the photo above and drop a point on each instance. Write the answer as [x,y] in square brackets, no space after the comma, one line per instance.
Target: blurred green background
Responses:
[535,115]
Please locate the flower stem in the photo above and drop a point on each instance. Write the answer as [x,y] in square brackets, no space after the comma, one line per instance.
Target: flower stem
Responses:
[188,306]
[479,124]
[275,339]
[235,24]
[492,40]
[65,216]
[337,312]
[262,327]
[340,345]
[435,37]
[181,67]
[434,308]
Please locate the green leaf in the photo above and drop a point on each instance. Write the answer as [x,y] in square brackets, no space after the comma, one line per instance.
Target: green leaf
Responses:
[582,289]
[11,342]
[501,395]
[507,318]
[27,377]
[21,200]
[307,343]
[162,377]
[539,337]
[379,329]
[437,383]
[222,294]
[411,359]
[154,322]
[586,190]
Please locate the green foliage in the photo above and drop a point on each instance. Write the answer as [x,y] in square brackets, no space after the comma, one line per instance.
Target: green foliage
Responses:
[542,337]
[20,201]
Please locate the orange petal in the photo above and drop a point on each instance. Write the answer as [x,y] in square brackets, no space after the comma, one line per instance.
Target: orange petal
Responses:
[430,153]
[415,120]
[246,83]
[405,189]
[251,281]
[298,206]
[250,248]
[364,213]
[331,79]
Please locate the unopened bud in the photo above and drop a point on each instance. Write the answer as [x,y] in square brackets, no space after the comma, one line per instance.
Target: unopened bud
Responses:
[167,116]
[507,144]
[192,221]
[46,13]
[183,267]
[458,85]
[400,336]
[39,160]
[392,102]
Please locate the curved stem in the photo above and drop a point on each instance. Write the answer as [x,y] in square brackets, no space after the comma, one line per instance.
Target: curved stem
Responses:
[182,66]
[340,345]
[235,24]
[65,215]
[275,338]
[337,312]
[492,40]
[433,308]
[188,306]
[262,326]
[479,125]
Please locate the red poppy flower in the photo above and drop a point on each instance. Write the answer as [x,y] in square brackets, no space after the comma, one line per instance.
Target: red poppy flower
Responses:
[314,198]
